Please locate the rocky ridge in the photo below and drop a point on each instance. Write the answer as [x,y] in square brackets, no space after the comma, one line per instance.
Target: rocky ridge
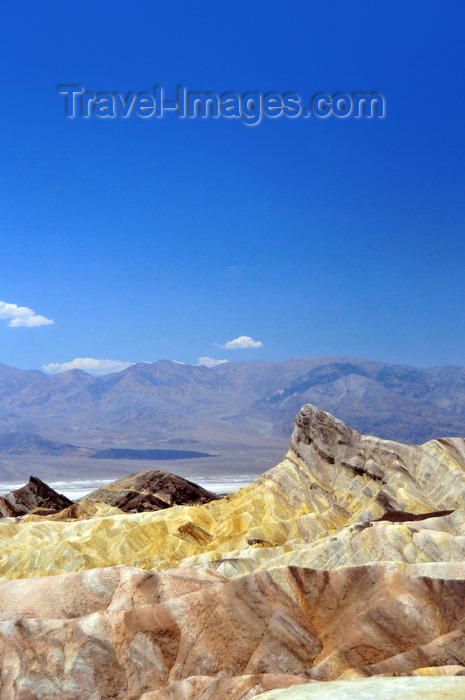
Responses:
[148,404]
[149,490]
[34,496]
[346,561]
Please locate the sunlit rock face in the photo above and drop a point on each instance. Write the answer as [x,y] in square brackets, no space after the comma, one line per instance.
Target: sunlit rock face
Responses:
[345,561]
[380,688]
[122,632]
[330,502]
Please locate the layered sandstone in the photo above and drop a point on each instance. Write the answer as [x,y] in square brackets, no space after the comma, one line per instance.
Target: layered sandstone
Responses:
[346,561]
[120,632]
[381,688]
[333,483]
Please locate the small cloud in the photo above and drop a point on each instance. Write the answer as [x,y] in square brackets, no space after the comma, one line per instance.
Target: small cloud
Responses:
[87,364]
[244,342]
[22,316]
[210,362]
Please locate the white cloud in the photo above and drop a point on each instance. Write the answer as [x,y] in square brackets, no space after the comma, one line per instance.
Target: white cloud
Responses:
[244,342]
[87,364]
[22,316]
[210,362]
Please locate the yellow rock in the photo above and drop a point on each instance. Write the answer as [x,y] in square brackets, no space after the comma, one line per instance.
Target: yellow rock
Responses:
[316,508]
[344,562]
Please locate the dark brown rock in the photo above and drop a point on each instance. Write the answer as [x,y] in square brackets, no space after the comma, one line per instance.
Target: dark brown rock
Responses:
[151,489]
[401,516]
[35,494]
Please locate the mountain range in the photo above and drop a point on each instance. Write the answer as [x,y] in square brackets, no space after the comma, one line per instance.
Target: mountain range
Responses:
[173,405]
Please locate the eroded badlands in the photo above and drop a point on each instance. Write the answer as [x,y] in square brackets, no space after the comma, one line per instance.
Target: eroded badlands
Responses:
[346,561]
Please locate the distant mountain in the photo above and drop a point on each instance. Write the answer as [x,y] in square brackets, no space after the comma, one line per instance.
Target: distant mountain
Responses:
[147,406]
[22,443]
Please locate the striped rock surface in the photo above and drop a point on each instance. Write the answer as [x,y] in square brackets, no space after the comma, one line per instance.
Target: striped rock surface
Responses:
[120,633]
[346,561]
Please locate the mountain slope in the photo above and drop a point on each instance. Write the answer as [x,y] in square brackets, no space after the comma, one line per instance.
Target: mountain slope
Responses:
[24,443]
[233,403]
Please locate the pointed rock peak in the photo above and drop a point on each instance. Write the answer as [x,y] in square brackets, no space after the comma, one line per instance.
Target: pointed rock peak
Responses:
[35,494]
[329,437]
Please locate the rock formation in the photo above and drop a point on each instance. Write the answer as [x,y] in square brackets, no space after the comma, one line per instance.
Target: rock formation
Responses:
[150,490]
[422,688]
[35,495]
[121,632]
[340,567]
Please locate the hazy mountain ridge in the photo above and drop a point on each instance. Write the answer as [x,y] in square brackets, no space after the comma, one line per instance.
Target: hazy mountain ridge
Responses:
[22,442]
[238,401]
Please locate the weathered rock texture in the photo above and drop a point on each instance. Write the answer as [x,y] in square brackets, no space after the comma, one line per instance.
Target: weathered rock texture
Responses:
[330,502]
[149,490]
[36,494]
[345,561]
[120,632]
[77,511]
[367,689]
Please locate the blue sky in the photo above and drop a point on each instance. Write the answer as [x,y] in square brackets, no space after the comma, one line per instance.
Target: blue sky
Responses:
[145,239]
